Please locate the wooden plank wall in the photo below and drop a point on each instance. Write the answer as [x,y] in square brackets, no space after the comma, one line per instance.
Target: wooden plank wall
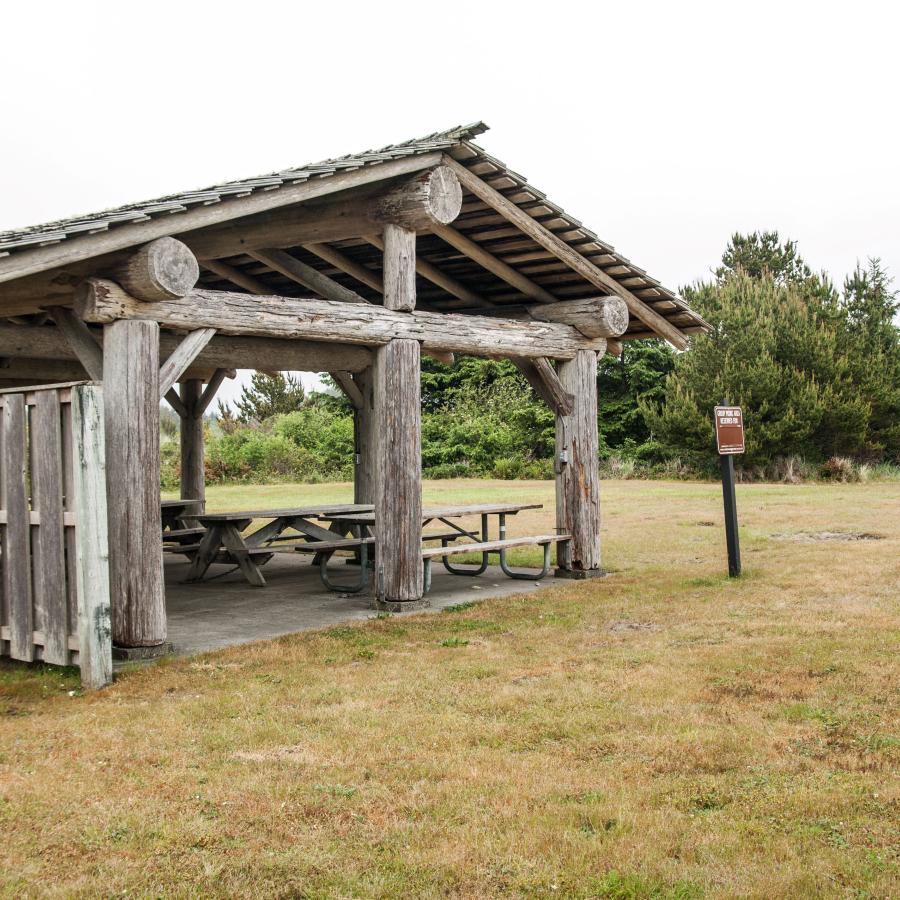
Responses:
[42,461]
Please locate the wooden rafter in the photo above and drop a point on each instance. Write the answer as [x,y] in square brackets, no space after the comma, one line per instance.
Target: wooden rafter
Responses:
[235,276]
[560,249]
[493,264]
[433,274]
[310,278]
[347,265]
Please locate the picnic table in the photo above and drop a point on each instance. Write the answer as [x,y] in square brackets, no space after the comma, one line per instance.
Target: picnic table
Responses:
[461,538]
[223,540]
[174,513]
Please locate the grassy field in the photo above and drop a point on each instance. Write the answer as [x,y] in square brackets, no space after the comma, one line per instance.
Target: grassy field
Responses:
[663,732]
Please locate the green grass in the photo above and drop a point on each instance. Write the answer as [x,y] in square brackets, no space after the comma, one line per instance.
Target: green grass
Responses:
[662,733]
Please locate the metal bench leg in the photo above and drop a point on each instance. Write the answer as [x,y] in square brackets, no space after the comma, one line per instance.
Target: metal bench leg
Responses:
[427,575]
[353,588]
[456,570]
[526,576]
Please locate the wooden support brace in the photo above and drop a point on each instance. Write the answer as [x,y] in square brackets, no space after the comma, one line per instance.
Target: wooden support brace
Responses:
[543,378]
[85,345]
[181,357]
[344,381]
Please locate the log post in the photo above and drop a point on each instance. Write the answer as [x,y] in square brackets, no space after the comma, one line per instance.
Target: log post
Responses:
[398,475]
[193,472]
[577,471]
[131,399]
[364,432]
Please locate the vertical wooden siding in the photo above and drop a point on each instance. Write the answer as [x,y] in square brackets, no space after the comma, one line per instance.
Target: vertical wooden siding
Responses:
[46,539]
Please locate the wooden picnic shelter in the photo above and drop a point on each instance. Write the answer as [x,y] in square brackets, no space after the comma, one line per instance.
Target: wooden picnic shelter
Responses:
[353,266]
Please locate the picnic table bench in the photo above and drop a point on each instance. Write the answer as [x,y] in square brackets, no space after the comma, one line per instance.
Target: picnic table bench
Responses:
[461,540]
[222,541]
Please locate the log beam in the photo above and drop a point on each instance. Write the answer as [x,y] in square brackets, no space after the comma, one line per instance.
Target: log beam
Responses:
[225,352]
[430,197]
[596,317]
[577,471]
[323,320]
[164,269]
[566,254]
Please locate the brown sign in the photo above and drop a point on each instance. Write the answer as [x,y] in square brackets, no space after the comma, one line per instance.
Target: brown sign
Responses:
[729,430]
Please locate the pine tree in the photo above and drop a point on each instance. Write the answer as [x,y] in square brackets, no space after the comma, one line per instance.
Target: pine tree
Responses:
[269,395]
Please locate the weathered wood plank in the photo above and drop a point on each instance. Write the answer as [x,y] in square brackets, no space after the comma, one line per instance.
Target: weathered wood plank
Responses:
[560,249]
[16,559]
[92,549]
[131,401]
[398,472]
[399,268]
[324,320]
[182,356]
[578,473]
[47,543]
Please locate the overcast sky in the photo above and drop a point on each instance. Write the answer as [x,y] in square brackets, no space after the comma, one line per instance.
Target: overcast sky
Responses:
[663,126]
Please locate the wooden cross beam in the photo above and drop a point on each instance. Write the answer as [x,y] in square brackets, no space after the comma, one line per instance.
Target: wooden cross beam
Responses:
[342,323]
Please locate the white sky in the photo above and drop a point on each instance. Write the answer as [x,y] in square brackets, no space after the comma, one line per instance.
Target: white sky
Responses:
[663,126]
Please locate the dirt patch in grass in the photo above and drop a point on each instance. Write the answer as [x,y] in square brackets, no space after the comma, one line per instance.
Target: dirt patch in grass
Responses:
[812,536]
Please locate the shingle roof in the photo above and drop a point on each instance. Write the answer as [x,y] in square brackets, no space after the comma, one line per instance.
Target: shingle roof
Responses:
[54,232]
[477,222]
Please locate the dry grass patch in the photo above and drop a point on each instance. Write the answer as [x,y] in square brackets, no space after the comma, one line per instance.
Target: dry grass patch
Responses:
[664,732]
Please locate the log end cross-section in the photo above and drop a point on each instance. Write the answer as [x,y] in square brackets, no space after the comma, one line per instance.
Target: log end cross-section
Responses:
[164,269]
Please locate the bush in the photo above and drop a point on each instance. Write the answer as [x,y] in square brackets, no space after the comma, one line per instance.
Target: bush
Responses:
[839,468]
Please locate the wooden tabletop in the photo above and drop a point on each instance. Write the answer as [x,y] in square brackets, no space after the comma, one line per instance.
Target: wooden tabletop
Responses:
[440,512]
[174,504]
[288,513]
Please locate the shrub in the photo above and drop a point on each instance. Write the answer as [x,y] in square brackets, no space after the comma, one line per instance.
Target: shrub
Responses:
[839,468]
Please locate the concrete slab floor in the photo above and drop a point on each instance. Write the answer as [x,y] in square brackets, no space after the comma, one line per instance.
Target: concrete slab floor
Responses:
[226,611]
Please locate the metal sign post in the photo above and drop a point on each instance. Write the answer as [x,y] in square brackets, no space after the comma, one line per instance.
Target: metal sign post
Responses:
[730,441]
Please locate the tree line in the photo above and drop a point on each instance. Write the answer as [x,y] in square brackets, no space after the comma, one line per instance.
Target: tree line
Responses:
[815,368]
